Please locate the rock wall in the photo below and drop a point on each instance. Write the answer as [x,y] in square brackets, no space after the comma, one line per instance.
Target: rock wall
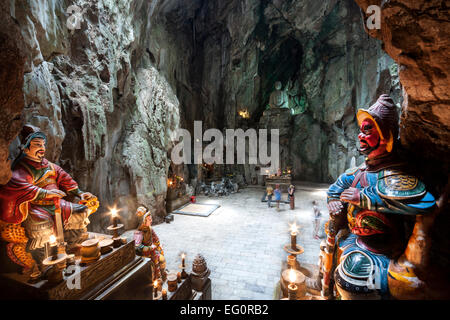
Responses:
[234,52]
[416,35]
[12,64]
[94,90]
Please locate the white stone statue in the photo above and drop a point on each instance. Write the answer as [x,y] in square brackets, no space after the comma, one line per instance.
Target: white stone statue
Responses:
[278,98]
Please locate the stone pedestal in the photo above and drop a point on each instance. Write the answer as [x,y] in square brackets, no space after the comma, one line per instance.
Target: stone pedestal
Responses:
[199,281]
[280,119]
[304,293]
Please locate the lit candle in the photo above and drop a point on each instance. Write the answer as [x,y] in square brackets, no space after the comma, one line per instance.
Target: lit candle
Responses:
[155,288]
[164,294]
[53,247]
[294,236]
[292,287]
[114,216]
[182,260]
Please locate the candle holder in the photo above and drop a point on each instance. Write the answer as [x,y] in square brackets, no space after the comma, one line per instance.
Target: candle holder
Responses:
[156,292]
[293,248]
[35,275]
[292,259]
[292,291]
[117,241]
[184,274]
[57,264]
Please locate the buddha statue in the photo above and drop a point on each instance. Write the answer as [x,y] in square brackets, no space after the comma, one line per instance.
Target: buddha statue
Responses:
[278,98]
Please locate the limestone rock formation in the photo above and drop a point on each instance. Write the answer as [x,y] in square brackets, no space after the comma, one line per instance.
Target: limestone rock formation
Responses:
[230,54]
[416,35]
[12,64]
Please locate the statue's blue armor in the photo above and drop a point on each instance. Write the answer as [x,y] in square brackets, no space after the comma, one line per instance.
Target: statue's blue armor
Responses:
[387,195]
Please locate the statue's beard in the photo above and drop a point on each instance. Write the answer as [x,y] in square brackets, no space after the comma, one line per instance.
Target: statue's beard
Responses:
[368,150]
[38,156]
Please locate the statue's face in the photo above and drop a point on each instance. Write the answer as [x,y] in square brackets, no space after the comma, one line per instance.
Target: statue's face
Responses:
[36,149]
[370,141]
[278,85]
[140,211]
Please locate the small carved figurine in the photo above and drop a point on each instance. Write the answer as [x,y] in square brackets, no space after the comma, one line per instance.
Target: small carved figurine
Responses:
[150,246]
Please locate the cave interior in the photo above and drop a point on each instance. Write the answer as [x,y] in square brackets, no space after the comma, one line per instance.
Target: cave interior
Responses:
[111,83]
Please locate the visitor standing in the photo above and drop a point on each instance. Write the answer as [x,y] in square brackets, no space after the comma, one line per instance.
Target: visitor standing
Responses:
[291,196]
[277,194]
[268,193]
[317,215]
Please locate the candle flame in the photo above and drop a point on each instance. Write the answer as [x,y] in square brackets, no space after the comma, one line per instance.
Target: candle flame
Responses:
[52,239]
[114,212]
[292,276]
[183,255]
[294,228]
[155,283]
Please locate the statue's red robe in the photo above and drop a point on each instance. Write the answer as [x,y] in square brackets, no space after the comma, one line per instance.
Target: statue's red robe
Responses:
[25,193]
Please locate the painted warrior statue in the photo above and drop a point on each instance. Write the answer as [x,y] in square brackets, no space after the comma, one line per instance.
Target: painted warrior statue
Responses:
[32,207]
[148,244]
[370,251]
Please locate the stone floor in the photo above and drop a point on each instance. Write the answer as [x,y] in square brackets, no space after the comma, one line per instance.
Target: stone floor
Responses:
[243,240]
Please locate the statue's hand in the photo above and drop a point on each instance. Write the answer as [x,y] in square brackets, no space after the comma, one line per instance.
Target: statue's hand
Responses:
[86,195]
[351,195]
[89,200]
[335,207]
[55,193]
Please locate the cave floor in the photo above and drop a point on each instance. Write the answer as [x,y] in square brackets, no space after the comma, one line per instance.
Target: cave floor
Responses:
[242,241]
